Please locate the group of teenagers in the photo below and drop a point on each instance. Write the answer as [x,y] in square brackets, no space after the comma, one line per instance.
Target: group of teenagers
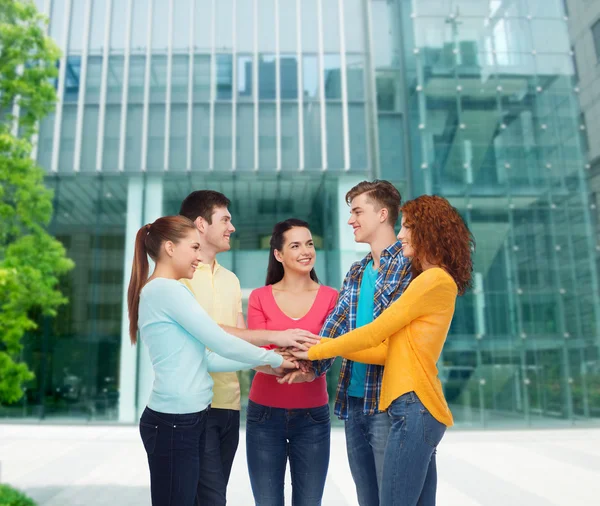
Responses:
[388,322]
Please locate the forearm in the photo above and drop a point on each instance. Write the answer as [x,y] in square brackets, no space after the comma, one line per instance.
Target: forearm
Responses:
[376,355]
[217,363]
[258,337]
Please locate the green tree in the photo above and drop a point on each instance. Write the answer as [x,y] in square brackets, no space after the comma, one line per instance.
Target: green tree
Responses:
[31,261]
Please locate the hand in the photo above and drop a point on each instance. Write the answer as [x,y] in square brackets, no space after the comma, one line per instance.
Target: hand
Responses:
[297,377]
[299,354]
[273,371]
[288,364]
[296,338]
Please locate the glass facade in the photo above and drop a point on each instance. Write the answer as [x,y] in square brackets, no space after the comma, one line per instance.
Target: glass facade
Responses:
[283,105]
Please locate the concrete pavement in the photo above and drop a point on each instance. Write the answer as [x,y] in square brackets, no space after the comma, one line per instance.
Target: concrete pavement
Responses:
[106,466]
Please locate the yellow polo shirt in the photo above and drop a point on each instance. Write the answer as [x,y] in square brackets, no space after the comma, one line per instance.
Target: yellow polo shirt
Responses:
[219,293]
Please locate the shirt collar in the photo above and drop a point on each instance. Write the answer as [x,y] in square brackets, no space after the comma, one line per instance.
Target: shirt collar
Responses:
[391,251]
[206,267]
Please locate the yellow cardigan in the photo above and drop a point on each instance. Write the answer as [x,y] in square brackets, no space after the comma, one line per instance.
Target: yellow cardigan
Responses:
[407,338]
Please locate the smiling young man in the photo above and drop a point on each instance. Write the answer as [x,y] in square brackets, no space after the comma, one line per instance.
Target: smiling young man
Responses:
[370,286]
[218,291]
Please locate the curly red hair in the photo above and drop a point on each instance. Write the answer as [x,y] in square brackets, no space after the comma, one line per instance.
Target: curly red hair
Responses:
[440,235]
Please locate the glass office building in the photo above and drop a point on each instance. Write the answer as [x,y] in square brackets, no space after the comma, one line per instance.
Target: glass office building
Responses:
[283,105]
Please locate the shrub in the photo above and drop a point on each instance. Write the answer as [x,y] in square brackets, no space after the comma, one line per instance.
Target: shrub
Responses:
[11,497]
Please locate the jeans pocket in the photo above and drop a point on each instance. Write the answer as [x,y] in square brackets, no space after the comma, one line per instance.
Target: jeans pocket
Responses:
[319,415]
[187,421]
[433,431]
[149,435]
[255,413]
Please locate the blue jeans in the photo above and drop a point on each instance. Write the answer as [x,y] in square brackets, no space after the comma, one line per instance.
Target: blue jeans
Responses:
[409,471]
[174,445]
[272,436]
[222,438]
[366,438]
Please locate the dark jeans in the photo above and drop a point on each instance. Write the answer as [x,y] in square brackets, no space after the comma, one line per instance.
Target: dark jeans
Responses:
[222,438]
[409,471]
[174,445]
[272,436]
[366,439]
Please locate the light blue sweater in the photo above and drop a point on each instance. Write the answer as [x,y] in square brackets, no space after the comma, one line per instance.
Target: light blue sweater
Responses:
[177,332]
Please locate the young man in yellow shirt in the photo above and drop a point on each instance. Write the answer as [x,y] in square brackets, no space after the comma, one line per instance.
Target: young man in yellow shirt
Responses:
[218,291]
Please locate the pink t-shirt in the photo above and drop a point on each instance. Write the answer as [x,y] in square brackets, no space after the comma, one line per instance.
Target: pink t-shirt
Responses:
[264,313]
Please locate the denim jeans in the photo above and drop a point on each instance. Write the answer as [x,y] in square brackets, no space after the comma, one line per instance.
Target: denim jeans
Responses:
[409,472]
[174,445]
[272,436]
[366,438]
[222,438]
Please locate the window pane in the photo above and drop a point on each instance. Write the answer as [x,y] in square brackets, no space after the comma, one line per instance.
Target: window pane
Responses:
[76,27]
[133,152]
[89,138]
[224,25]
[223,139]
[245,136]
[67,138]
[332,76]
[335,138]
[289,136]
[201,78]
[200,137]
[244,28]
[139,25]
[287,25]
[178,137]
[310,38]
[331,26]
[160,32]
[244,77]
[312,136]
[288,72]
[224,76]
[266,77]
[267,136]
[358,136]
[181,25]
[354,31]
[355,77]
[266,25]
[310,77]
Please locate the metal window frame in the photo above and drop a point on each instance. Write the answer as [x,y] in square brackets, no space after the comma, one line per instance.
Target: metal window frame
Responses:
[255,88]
[125,92]
[35,138]
[146,110]
[321,57]
[169,91]
[233,86]
[277,90]
[343,74]
[300,76]
[82,86]
[103,86]
[61,87]
[190,112]
[213,86]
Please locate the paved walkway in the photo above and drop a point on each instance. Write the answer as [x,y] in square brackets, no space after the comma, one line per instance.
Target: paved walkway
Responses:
[105,466]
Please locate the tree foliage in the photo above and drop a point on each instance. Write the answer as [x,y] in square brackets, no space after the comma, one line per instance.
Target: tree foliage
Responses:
[31,260]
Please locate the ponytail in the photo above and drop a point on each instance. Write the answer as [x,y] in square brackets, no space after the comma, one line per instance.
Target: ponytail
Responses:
[139,276]
[148,243]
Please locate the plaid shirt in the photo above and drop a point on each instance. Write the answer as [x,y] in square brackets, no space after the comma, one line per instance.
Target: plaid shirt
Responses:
[392,279]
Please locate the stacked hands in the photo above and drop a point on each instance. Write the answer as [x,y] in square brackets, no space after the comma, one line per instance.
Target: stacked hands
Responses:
[293,347]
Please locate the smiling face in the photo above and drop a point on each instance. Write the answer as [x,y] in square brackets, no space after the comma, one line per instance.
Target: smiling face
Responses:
[218,233]
[366,218]
[184,255]
[298,252]
[404,236]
